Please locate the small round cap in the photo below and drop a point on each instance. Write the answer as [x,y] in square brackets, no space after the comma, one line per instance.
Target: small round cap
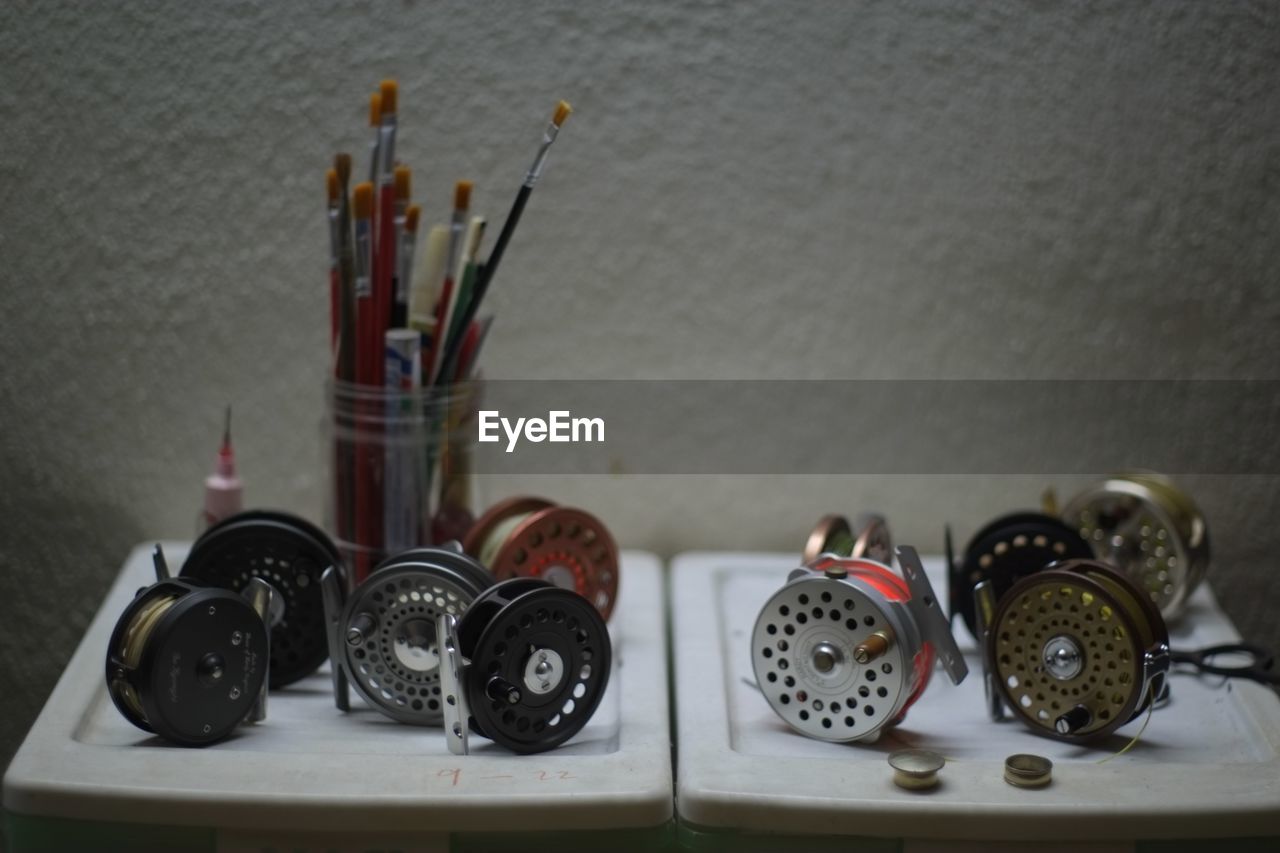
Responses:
[915,769]
[1027,771]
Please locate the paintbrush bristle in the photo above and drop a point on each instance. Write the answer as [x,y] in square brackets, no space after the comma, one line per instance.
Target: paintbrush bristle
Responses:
[461,195]
[331,186]
[342,165]
[362,201]
[562,112]
[375,109]
[402,174]
[411,218]
[389,92]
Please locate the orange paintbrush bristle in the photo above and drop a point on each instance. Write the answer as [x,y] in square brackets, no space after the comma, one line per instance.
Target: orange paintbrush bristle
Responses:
[375,109]
[461,195]
[562,112]
[342,165]
[362,202]
[402,183]
[411,218]
[331,186]
[389,92]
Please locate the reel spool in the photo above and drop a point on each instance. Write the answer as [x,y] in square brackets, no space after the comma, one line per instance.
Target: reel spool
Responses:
[532,537]
[847,646]
[869,537]
[1150,530]
[526,666]
[382,639]
[287,552]
[1074,651]
[189,662]
[1003,552]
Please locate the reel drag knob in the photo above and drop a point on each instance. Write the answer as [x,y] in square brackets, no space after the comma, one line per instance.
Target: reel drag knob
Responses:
[868,537]
[526,666]
[846,646]
[532,537]
[1003,552]
[1149,529]
[383,637]
[1076,651]
[287,552]
[188,662]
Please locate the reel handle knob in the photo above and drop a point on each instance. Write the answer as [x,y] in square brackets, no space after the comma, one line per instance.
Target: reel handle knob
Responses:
[1074,720]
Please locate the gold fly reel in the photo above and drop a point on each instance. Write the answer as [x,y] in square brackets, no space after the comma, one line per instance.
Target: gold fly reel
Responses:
[1075,651]
[1150,530]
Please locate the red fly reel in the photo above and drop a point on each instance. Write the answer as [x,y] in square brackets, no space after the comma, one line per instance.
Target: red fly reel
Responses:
[533,537]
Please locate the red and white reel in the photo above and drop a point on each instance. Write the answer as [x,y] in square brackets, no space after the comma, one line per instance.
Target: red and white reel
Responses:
[847,645]
[535,538]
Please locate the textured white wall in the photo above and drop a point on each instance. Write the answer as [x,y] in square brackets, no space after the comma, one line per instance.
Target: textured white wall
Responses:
[781,190]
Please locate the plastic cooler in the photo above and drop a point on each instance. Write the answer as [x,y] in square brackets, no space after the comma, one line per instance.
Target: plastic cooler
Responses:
[313,778]
[1206,767]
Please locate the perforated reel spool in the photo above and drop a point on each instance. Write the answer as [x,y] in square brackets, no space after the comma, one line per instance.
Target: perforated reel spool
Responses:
[1077,651]
[868,537]
[1150,530]
[187,662]
[532,537]
[290,554]
[387,631]
[837,651]
[539,659]
[1005,551]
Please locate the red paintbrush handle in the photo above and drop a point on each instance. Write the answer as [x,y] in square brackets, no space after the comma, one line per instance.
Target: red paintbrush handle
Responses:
[384,263]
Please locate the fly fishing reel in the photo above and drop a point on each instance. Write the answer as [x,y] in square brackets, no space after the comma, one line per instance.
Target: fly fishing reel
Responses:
[532,537]
[382,639]
[1005,551]
[189,662]
[1150,530]
[846,646]
[287,552]
[525,666]
[868,537]
[1074,651]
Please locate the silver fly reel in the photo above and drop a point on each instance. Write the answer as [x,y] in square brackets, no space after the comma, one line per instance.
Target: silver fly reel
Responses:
[847,645]
[383,638]
[1149,529]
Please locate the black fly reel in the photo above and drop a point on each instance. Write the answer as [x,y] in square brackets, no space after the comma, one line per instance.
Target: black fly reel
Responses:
[290,554]
[383,637]
[189,662]
[1003,552]
[526,666]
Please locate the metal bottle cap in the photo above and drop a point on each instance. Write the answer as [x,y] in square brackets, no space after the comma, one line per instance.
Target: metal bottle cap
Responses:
[1028,771]
[915,769]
